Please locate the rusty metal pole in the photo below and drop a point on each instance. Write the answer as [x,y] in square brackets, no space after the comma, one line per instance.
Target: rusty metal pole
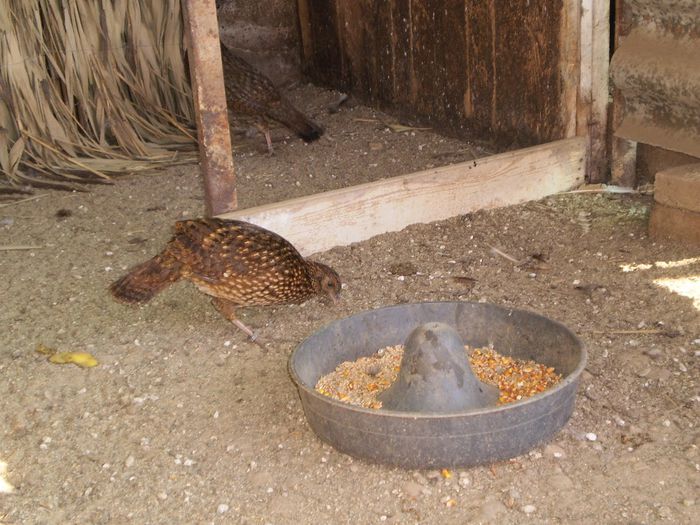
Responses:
[204,55]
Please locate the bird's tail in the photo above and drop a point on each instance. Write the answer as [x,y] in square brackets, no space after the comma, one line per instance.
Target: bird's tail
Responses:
[295,120]
[145,280]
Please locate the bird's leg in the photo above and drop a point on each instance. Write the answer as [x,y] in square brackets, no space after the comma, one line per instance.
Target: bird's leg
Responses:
[228,310]
[268,138]
[265,130]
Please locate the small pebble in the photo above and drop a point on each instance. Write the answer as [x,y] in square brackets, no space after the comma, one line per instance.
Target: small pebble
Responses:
[464,481]
[555,451]
[129,462]
[654,353]
[528,509]
[412,489]
[491,510]
[561,482]
[448,501]
[591,436]
[644,371]
[222,508]
[162,496]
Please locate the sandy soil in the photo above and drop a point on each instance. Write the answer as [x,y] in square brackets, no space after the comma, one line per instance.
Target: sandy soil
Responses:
[184,421]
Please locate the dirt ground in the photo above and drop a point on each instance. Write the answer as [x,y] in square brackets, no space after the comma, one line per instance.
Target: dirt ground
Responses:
[185,421]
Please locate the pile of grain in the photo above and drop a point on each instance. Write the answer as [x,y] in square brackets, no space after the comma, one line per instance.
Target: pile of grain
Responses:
[360,382]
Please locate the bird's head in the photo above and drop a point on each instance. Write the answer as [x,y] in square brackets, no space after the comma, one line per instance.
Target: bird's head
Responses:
[326,281]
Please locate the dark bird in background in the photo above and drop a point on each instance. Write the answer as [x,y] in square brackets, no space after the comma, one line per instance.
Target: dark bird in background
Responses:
[237,263]
[252,96]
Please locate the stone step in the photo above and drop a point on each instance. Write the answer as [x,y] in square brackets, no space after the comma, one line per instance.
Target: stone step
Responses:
[679,187]
[674,224]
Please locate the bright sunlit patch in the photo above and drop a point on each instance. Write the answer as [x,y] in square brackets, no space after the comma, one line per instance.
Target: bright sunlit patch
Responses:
[659,264]
[685,286]
[5,487]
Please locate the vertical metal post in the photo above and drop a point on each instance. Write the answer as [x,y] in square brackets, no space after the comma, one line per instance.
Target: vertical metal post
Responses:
[204,55]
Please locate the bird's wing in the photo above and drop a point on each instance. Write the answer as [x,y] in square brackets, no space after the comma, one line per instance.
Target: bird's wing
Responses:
[217,250]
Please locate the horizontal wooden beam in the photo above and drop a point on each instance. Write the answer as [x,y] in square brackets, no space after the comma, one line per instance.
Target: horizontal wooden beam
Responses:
[335,218]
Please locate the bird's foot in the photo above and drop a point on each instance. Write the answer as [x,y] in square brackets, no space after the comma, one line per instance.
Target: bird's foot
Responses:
[228,310]
[253,336]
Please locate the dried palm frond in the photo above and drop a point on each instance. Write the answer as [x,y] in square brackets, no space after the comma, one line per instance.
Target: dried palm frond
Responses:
[91,89]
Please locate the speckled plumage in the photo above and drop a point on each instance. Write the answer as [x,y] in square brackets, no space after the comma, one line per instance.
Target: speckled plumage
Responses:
[237,263]
[252,96]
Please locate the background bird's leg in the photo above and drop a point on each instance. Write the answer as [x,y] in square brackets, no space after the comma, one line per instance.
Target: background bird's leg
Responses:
[268,138]
[228,310]
[265,130]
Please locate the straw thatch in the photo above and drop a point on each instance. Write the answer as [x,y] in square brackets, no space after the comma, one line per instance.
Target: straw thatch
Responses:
[91,88]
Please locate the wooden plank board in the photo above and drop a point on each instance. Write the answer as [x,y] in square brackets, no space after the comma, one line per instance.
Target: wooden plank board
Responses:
[598,167]
[209,95]
[586,73]
[592,118]
[492,68]
[339,217]
[570,64]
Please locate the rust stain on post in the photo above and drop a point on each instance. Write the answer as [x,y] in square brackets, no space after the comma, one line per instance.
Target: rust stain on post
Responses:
[204,54]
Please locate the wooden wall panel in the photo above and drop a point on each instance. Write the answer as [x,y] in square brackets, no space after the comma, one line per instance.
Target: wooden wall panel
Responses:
[463,66]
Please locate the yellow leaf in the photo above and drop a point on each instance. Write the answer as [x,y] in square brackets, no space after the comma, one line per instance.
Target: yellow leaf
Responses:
[82,359]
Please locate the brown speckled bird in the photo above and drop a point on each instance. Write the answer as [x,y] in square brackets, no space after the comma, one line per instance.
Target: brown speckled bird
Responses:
[253,96]
[237,263]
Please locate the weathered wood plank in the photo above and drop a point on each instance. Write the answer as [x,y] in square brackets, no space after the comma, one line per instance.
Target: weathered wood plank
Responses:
[462,66]
[210,106]
[340,217]
[570,64]
[592,114]
[598,168]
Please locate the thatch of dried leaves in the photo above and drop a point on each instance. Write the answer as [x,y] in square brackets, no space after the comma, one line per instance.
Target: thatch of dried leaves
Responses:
[90,89]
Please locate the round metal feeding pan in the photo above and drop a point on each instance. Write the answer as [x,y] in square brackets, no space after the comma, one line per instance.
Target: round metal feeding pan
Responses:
[429,439]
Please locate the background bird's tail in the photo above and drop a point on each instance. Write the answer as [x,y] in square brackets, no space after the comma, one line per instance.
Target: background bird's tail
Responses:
[145,280]
[295,120]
